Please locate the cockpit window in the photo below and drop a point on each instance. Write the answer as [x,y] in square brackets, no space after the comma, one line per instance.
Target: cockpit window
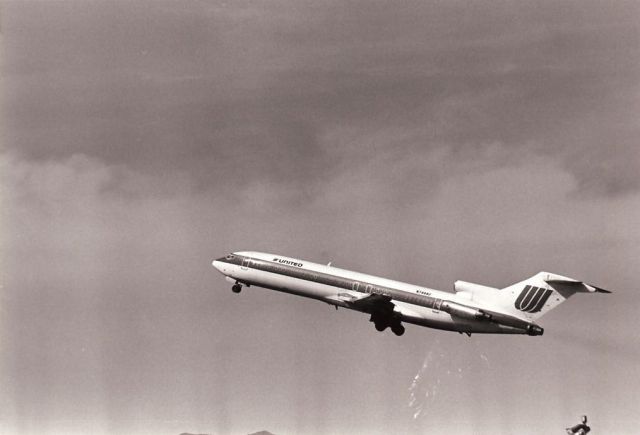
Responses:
[230,257]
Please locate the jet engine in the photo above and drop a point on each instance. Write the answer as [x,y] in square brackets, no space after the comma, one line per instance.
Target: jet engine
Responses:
[463,311]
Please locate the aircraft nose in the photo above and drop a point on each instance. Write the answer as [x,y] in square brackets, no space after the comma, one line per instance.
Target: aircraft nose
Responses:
[220,266]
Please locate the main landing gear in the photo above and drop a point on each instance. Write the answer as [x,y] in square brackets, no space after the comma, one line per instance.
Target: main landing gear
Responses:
[383,322]
[397,329]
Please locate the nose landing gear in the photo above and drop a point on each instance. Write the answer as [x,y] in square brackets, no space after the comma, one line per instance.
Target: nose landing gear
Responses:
[237,288]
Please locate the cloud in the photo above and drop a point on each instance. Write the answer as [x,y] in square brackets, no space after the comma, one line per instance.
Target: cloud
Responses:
[251,90]
[113,272]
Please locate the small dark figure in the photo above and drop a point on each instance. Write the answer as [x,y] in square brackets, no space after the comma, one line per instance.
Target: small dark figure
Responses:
[580,429]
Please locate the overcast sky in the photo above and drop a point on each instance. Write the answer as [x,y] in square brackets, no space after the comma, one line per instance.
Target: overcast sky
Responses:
[421,141]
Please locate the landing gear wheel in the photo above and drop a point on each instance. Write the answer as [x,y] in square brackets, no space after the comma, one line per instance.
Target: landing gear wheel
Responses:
[236,288]
[381,326]
[398,329]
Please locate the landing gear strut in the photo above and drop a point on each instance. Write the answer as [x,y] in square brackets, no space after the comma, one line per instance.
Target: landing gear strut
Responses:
[236,288]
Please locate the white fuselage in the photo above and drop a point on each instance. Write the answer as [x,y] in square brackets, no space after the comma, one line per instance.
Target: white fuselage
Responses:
[414,304]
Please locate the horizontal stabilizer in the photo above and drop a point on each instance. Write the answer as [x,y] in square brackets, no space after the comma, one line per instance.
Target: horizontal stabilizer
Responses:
[578,286]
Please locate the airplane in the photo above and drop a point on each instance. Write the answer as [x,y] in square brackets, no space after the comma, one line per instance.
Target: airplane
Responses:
[473,308]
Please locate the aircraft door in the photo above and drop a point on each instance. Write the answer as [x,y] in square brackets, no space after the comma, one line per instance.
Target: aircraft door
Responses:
[245,263]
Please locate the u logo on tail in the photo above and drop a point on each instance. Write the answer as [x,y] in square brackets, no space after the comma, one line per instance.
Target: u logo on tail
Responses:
[532,299]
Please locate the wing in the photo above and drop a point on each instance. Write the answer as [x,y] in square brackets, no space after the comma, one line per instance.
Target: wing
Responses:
[373,302]
[365,303]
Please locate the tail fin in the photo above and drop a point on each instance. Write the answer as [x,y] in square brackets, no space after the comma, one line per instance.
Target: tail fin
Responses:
[536,296]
